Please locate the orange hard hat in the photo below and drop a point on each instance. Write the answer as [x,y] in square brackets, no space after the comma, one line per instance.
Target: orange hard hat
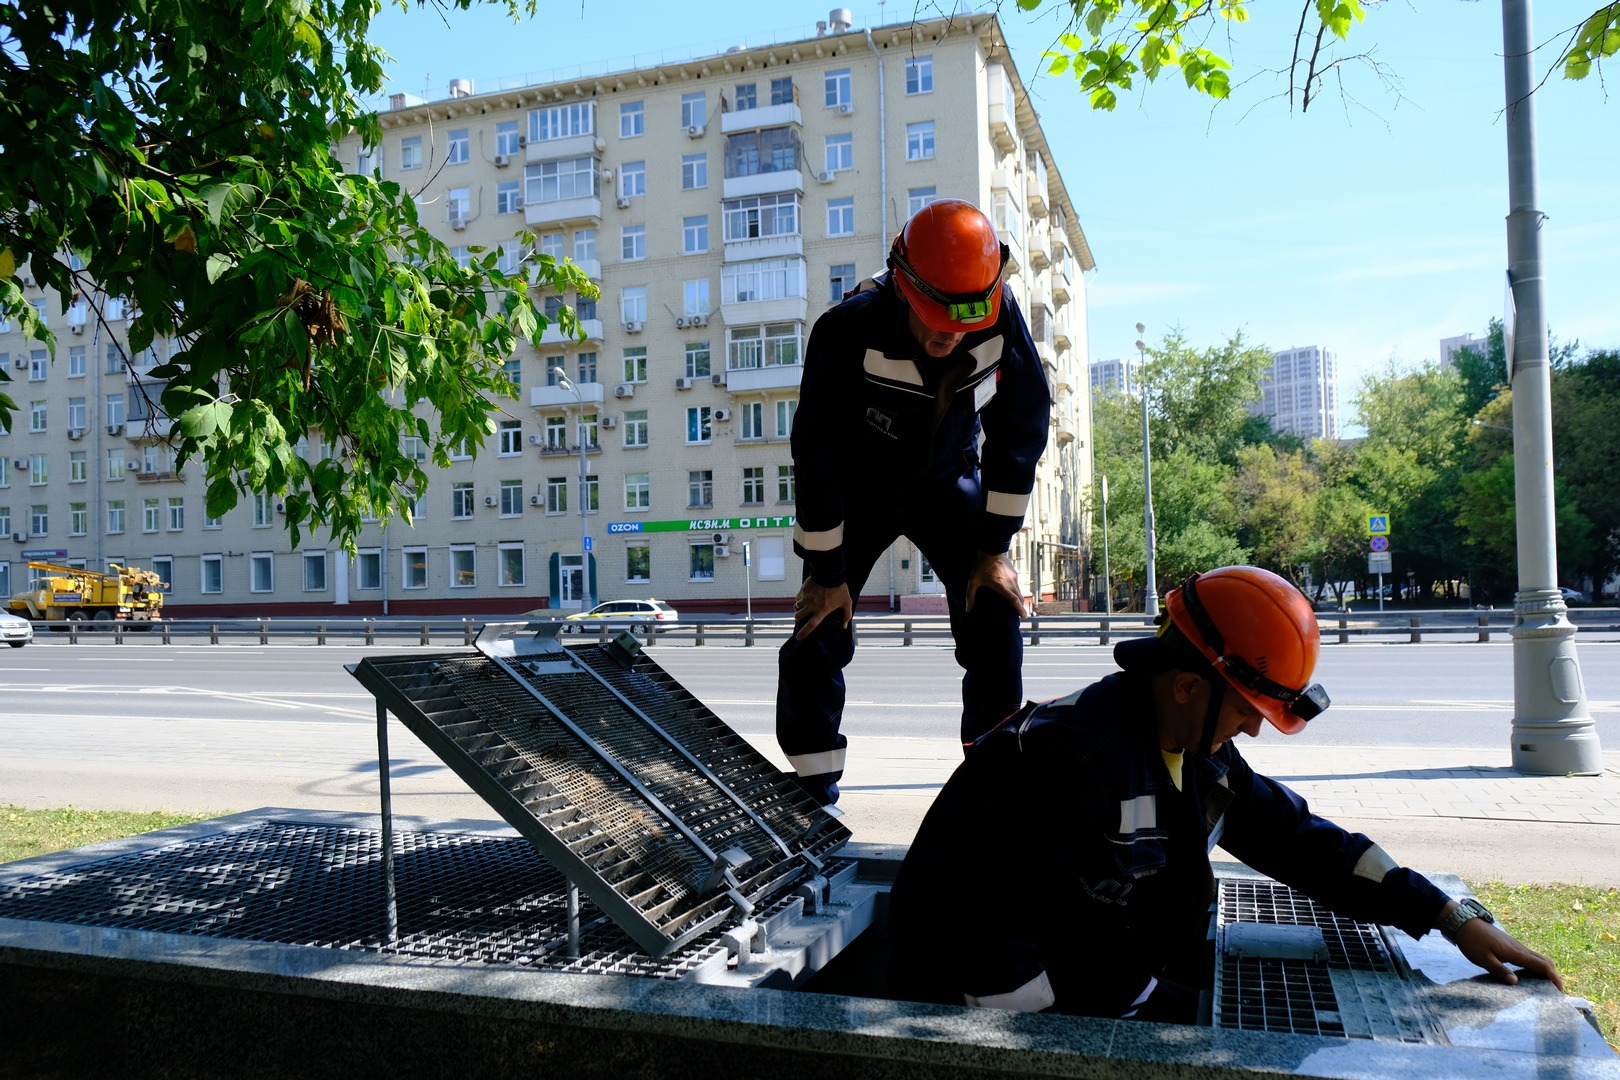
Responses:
[948,264]
[1260,634]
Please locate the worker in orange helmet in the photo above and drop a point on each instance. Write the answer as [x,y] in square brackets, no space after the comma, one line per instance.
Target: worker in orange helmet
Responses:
[1065,865]
[922,413]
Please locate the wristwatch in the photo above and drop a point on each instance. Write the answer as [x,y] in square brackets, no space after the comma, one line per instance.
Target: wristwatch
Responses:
[1464,911]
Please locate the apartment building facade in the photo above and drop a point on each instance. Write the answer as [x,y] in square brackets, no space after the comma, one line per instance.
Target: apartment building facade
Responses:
[1301,392]
[1118,376]
[720,205]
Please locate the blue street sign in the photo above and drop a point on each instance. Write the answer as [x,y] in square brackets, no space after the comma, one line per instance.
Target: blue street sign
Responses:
[587,543]
[1380,543]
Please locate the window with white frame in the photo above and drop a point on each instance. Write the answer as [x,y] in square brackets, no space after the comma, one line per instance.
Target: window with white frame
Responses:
[78,466]
[510,437]
[786,489]
[836,88]
[632,119]
[459,150]
[461,500]
[920,141]
[919,75]
[695,234]
[213,575]
[633,179]
[506,138]
[462,254]
[39,365]
[509,556]
[753,419]
[761,279]
[633,306]
[413,448]
[115,516]
[413,568]
[463,566]
[637,562]
[759,216]
[786,409]
[38,412]
[556,433]
[635,427]
[694,171]
[5,476]
[314,571]
[365,160]
[508,197]
[410,152]
[770,345]
[76,366]
[558,181]
[78,519]
[262,572]
[695,297]
[633,243]
[593,501]
[511,256]
[556,494]
[562,121]
[210,522]
[584,245]
[841,216]
[511,498]
[782,92]
[263,511]
[163,567]
[551,243]
[114,361]
[840,152]
[840,280]
[587,430]
[585,368]
[637,491]
[697,359]
[368,568]
[39,469]
[177,513]
[701,561]
[919,197]
[76,414]
[39,519]
[694,111]
[753,485]
[115,410]
[700,487]
[458,205]
[698,419]
[747,96]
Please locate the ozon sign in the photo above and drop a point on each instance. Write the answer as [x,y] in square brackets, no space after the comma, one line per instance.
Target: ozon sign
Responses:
[784,521]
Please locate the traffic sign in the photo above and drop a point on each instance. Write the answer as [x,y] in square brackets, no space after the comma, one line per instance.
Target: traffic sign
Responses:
[1377,524]
[587,543]
[1378,562]
[1380,543]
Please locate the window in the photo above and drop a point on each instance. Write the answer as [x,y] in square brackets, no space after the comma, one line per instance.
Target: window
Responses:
[697,359]
[556,433]
[556,181]
[840,152]
[760,216]
[771,345]
[163,567]
[551,243]
[115,516]
[461,500]
[462,254]
[836,88]
[761,279]
[5,477]
[510,437]
[459,151]
[463,566]
[782,91]
[115,356]
[585,368]
[633,308]
[637,491]
[314,571]
[587,430]
[633,245]
[508,199]
[635,427]
[920,140]
[78,519]
[413,448]
[177,513]
[919,197]
[78,467]
[753,485]
[562,121]
[840,280]
[39,469]
[786,491]
[633,179]
[592,501]
[632,119]
[556,494]
[413,568]
[509,556]
[213,570]
[697,427]
[37,413]
[637,562]
[76,363]
[786,409]
[635,364]
[39,365]
[263,572]
[506,138]
[39,520]
[511,256]
[695,297]
[410,152]
[694,111]
[753,420]
[511,498]
[76,414]
[695,235]
[700,487]
[215,523]
[841,216]
[368,568]
[584,247]
[701,562]
[919,75]
[747,98]
[115,410]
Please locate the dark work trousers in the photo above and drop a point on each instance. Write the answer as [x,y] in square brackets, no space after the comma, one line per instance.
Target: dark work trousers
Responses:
[989,639]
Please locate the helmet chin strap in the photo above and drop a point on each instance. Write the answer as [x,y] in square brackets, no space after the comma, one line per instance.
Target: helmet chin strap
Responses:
[1212,714]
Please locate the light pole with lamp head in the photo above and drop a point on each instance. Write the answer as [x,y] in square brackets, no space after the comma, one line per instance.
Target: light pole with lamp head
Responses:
[587,601]
[1150,602]
[1108,577]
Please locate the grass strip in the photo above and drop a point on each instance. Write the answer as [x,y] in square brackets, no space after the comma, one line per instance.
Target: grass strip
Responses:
[26,833]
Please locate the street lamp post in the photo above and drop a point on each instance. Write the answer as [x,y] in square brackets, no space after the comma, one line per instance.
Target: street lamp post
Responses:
[587,601]
[1150,602]
[1108,577]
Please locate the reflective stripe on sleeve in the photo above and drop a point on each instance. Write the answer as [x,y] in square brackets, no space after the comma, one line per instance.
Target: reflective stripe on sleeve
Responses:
[826,540]
[1005,504]
[1137,814]
[1033,996]
[1374,864]
[828,761]
[1141,999]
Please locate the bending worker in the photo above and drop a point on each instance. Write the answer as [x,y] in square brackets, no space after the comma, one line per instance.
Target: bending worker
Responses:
[1065,865]
[900,381]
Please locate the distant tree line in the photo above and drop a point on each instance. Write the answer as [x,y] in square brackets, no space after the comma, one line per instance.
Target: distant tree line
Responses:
[1437,457]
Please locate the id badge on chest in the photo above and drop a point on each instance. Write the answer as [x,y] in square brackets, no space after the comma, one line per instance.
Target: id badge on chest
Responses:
[983,393]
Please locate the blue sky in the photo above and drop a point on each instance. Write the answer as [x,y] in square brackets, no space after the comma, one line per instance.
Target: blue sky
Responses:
[1372,224]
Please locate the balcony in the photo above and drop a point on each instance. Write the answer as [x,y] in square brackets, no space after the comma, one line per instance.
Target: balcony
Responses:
[1060,335]
[572,147]
[1039,237]
[1060,284]
[1059,240]
[785,246]
[769,377]
[1002,111]
[553,335]
[764,182]
[763,117]
[554,397]
[1035,189]
[158,476]
[785,309]
[564,450]
[1063,427]
[585,209]
[156,428]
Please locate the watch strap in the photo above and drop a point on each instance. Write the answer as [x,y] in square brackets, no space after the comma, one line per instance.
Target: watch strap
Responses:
[1466,910]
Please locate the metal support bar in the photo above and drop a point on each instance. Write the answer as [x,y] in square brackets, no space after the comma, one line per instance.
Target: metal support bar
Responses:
[1484,622]
[1344,630]
[1417,634]
[1035,630]
[426,639]
[573,921]
[905,637]
[264,632]
[392,910]
[320,633]
[213,633]
[699,640]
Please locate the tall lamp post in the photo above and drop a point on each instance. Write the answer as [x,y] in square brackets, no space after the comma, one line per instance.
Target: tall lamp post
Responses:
[587,601]
[1150,603]
[1108,577]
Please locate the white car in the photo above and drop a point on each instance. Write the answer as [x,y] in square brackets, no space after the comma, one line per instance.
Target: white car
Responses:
[1574,596]
[637,616]
[14,631]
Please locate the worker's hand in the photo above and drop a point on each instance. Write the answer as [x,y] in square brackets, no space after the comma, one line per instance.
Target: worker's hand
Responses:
[816,602]
[996,573]
[1493,949]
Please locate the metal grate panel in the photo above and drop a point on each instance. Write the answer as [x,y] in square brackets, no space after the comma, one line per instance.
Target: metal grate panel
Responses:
[1358,991]
[669,820]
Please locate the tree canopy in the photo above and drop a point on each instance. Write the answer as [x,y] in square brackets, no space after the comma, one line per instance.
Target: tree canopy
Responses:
[173,158]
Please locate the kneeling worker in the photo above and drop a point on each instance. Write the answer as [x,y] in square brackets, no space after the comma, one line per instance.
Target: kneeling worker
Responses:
[1065,865]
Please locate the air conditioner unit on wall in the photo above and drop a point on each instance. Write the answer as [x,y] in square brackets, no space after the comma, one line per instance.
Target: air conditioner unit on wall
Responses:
[77,328]
[624,202]
[610,422]
[502,161]
[625,389]
[695,130]
[698,320]
[721,551]
[536,500]
[826,176]
[76,433]
[719,378]
[20,538]
[722,415]
[683,383]
[20,463]
[489,500]
[846,108]
[281,508]
[115,429]
[680,322]
[459,224]
[632,327]
[536,440]
[21,364]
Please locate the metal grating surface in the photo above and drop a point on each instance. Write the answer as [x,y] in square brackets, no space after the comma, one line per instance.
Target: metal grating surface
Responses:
[660,813]
[1360,991]
[461,899]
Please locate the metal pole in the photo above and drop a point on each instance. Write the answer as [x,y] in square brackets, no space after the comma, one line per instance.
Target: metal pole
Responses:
[1553,733]
[588,601]
[1150,602]
[1108,577]
[391,913]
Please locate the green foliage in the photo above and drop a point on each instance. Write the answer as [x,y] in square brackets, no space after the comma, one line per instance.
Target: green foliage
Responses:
[1597,37]
[180,150]
[26,833]
[1199,397]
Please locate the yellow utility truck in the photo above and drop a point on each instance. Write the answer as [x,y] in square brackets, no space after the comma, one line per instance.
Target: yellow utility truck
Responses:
[66,593]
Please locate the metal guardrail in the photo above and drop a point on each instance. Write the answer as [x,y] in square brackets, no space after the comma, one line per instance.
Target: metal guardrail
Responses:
[1337,628]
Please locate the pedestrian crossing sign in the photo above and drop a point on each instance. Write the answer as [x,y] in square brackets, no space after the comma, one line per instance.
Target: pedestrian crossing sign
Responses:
[1377,524]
